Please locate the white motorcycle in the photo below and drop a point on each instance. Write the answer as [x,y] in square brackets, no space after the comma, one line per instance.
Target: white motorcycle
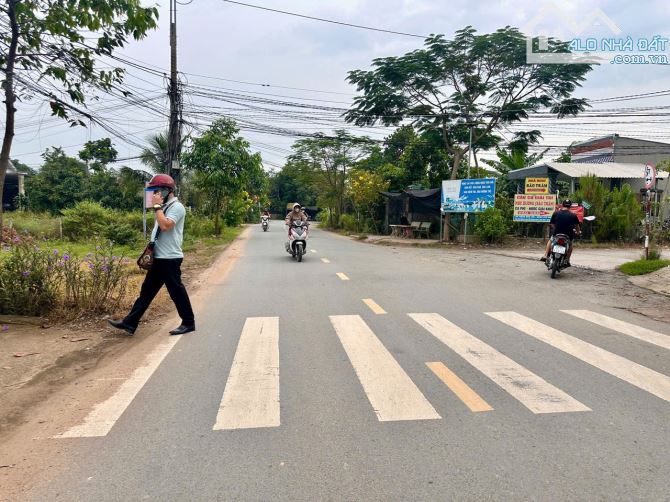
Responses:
[296,245]
[265,222]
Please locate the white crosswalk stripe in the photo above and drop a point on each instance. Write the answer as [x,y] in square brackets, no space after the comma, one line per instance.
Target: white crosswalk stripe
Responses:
[251,396]
[528,388]
[629,371]
[389,389]
[103,417]
[626,328]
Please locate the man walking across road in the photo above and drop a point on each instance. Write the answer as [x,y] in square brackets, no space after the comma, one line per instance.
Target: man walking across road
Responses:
[167,235]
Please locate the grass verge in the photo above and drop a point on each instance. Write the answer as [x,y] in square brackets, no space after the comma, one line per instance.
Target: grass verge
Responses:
[641,267]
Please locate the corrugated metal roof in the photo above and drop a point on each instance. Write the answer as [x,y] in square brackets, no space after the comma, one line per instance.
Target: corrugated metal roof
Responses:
[604,170]
[579,169]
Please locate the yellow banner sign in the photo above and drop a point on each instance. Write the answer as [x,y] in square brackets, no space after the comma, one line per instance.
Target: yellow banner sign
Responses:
[537,186]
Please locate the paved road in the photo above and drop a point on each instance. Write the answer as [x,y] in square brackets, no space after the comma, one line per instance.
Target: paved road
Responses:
[458,378]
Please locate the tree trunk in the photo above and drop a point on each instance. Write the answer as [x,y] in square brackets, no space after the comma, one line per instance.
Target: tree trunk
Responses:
[9,100]
[458,156]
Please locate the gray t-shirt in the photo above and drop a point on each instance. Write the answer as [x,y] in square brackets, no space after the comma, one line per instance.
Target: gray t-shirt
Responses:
[168,244]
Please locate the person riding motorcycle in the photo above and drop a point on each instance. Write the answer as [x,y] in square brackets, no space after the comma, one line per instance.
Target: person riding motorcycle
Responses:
[295,215]
[563,222]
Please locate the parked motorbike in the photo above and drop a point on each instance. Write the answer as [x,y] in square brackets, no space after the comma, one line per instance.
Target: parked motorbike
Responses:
[296,245]
[265,223]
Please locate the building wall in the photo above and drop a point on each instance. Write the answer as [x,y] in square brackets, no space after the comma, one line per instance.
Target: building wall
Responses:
[631,150]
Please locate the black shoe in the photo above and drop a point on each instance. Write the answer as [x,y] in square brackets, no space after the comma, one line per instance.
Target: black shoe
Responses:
[122,325]
[182,330]
[543,259]
[567,264]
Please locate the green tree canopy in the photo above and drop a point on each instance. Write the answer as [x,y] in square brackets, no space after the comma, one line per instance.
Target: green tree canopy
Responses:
[226,172]
[101,152]
[60,183]
[46,54]
[478,81]
[324,161]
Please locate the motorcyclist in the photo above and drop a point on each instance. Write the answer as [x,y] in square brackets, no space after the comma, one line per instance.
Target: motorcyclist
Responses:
[266,214]
[295,215]
[563,222]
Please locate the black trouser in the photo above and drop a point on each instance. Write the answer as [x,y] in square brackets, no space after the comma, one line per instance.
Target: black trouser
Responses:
[168,272]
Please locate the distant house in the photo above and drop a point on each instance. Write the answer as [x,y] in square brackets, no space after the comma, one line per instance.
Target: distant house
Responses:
[612,174]
[14,186]
[619,149]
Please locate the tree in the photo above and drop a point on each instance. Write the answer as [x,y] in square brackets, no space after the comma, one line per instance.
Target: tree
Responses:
[45,54]
[224,167]
[514,157]
[101,152]
[324,160]
[289,186]
[21,167]
[156,154]
[474,81]
[59,184]
[364,192]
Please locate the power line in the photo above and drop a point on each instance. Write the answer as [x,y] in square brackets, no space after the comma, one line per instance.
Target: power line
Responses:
[331,21]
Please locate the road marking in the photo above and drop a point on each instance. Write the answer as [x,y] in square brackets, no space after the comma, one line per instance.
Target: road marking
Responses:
[104,415]
[342,276]
[529,389]
[251,396]
[313,250]
[325,260]
[626,328]
[389,389]
[633,373]
[469,397]
[374,306]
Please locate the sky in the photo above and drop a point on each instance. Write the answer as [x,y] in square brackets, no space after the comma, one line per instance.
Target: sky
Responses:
[228,53]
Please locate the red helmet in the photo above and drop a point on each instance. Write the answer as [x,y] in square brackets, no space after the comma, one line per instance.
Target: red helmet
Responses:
[162,181]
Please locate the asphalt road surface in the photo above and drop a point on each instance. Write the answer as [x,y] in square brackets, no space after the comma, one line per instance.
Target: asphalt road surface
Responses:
[374,373]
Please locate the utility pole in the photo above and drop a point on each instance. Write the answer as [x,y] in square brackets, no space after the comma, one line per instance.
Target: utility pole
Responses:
[174,92]
[465,215]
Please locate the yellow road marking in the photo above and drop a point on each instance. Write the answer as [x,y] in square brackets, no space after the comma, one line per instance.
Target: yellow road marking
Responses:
[325,260]
[469,397]
[374,306]
[342,276]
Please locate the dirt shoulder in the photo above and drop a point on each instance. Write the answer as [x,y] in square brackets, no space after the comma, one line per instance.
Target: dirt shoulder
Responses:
[39,355]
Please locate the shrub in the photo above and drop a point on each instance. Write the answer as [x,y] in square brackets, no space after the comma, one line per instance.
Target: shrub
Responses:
[85,220]
[197,226]
[29,280]
[654,254]
[121,234]
[349,223]
[491,225]
[96,283]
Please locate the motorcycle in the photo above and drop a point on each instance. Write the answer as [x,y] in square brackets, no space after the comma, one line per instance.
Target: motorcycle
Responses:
[558,256]
[560,245]
[296,245]
[265,223]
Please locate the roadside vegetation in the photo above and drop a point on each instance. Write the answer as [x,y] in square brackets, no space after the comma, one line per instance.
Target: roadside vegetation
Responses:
[641,267]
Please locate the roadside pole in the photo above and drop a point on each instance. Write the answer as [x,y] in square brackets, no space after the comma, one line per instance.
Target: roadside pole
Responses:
[465,215]
[649,182]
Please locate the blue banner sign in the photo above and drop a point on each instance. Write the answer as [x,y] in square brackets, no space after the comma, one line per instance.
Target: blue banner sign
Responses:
[468,196]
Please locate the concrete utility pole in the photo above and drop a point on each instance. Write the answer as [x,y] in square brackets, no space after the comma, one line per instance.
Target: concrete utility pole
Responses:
[174,92]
